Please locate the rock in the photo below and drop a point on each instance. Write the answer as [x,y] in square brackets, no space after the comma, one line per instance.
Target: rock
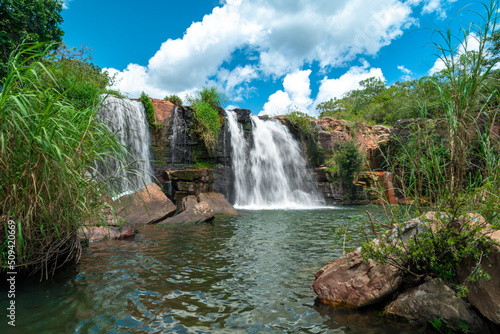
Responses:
[485,294]
[243,115]
[191,212]
[351,282]
[434,300]
[146,206]
[218,203]
[97,233]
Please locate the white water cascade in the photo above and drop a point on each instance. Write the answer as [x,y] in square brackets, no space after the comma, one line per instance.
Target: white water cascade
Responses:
[270,171]
[127,120]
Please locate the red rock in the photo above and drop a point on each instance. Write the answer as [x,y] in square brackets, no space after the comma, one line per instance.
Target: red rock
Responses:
[146,206]
[218,203]
[97,233]
[350,282]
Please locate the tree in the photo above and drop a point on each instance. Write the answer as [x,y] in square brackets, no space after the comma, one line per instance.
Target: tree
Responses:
[28,21]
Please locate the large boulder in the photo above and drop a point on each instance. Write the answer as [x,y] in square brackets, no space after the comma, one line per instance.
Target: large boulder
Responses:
[351,282]
[218,203]
[97,233]
[191,212]
[434,300]
[485,294]
[147,206]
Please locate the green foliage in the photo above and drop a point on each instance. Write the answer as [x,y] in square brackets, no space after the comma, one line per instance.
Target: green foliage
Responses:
[204,164]
[448,165]
[208,124]
[77,77]
[150,111]
[48,149]
[300,123]
[29,21]
[345,162]
[209,95]
[436,323]
[174,99]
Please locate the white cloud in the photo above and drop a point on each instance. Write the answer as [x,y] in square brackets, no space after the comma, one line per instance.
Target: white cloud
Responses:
[469,44]
[331,88]
[436,6]
[296,95]
[406,73]
[281,35]
[284,36]
[297,92]
[65,4]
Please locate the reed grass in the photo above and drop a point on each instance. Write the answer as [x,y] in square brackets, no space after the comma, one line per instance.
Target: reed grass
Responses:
[47,150]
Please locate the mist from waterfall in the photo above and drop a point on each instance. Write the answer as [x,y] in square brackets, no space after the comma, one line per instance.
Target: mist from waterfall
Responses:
[127,120]
[270,169]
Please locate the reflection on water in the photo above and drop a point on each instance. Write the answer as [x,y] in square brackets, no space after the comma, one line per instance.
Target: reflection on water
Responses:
[245,274]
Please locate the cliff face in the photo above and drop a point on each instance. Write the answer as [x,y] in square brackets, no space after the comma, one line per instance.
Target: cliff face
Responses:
[176,146]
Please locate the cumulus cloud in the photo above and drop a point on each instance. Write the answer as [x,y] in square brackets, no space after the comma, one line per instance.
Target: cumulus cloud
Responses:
[406,73]
[336,88]
[296,95]
[281,35]
[297,92]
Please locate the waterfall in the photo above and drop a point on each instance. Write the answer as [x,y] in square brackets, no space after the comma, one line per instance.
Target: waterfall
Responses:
[270,171]
[127,120]
[178,140]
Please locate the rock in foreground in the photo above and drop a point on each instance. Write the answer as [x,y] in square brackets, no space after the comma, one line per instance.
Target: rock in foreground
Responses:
[191,212]
[97,233]
[218,203]
[146,206]
[434,300]
[351,282]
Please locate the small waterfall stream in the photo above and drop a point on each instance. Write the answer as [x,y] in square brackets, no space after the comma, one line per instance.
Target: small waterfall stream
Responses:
[270,172]
[127,120]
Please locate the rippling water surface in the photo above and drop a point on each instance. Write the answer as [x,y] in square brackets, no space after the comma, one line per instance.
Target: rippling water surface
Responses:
[245,274]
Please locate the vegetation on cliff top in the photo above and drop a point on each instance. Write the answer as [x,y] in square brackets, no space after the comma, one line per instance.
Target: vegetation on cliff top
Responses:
[206,104]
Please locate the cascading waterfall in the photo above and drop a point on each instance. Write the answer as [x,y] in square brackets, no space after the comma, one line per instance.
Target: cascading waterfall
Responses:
[270,172]
[178,140]
[127,120]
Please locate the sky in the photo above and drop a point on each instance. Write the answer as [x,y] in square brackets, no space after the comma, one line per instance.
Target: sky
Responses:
[269,56]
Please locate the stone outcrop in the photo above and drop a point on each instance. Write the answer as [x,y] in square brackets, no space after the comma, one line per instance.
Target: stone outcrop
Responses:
[191,211]
[218,203]
[146,206]
[434,300]
[97,233]
[353,283]
[180,183]
[485,294]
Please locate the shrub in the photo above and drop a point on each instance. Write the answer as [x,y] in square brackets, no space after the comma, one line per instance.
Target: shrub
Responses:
[345,163]
[174,99]
[208,124]
[150,111]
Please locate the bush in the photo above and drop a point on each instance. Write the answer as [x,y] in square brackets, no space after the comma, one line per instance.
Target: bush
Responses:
[150,111]
[208,124]
[48,148]
[345,163]
[174,99]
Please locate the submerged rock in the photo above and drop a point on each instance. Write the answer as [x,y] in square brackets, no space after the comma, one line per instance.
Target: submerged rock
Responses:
[146,206]
[353,283]
[97,233]
[191,212]
[218,203]
[434,300]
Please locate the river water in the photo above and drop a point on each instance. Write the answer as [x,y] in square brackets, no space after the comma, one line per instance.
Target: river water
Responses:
[246,274]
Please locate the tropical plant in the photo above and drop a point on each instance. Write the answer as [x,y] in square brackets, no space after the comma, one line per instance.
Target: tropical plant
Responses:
[48,148]
[174,99]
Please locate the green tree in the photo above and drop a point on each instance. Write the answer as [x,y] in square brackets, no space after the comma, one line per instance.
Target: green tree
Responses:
[29,21]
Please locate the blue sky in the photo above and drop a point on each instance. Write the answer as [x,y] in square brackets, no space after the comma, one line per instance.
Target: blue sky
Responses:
[267,55]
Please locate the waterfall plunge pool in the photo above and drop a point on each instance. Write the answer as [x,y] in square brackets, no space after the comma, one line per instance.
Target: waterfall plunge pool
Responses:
[246,274]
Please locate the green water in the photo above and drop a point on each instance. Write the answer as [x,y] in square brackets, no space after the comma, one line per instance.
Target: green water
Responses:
[245,274]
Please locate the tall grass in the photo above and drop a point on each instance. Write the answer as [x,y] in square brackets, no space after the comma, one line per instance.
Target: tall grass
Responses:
[47,150]
[449,165]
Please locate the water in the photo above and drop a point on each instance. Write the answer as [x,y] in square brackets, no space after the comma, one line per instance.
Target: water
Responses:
[246,274]
[127,120]
[271,171]
[178,140]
